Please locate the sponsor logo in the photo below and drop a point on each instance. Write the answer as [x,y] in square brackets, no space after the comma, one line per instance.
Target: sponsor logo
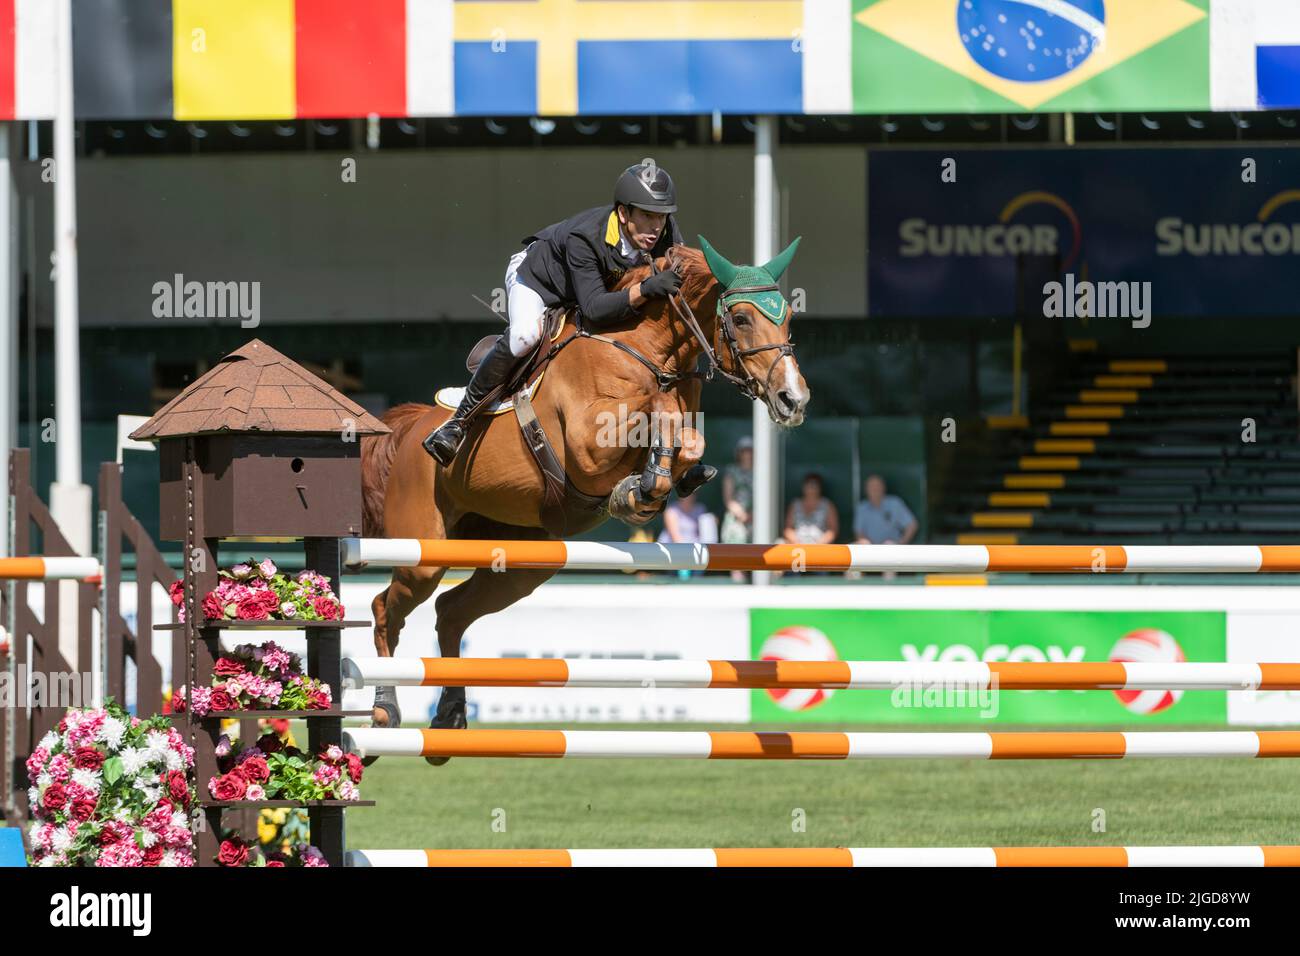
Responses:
[1000,239]
[1175,237]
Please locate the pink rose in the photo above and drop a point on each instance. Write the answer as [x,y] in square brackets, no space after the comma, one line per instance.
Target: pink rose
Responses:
[177,593]
[213,609]
[326,608]
[220,700]
[178,787]
[227,667]
[251,608]
[87,758]
[233,852]
[270,602]
[231,786]
[55,798]
[256,769]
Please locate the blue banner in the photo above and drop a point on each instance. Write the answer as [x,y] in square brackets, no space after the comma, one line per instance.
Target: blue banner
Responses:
[1170,231]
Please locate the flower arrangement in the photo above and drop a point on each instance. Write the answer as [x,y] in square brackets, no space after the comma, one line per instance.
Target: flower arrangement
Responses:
[236,852]
[257,591]
[272,770]
[109,790]
[257,677]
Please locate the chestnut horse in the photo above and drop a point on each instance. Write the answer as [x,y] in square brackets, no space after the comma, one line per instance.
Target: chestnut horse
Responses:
[494,488]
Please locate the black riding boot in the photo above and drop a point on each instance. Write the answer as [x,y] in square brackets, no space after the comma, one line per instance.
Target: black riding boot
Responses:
[444,441]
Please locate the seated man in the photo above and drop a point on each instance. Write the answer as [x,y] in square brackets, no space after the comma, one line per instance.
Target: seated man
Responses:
[882,518]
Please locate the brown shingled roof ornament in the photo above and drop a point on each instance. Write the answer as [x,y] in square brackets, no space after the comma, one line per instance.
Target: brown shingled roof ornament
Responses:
[256,389]
[272,451]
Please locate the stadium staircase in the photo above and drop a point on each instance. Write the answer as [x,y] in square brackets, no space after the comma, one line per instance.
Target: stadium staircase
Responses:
[1142,451]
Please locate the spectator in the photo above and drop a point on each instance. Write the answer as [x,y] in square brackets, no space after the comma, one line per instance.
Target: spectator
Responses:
[811,518]
[738,498]
[881,519]
[687,521]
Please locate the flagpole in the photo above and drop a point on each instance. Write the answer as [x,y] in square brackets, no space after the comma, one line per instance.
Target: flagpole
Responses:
[767,448]
[69,496]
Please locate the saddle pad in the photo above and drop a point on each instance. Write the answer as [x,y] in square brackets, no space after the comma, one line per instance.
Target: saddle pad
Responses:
[450,397]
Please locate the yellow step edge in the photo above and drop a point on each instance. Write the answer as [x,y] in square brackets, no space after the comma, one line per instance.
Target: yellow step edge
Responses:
[1123,381]
[987,538]
[956,580]
[1094,411]
[1049,463]
[1002,519]
[1033,481]
[1083,345]
[1020,499]
[1079,428]
[1078,446]
[1138,365]
[1107,396]
[1006,421]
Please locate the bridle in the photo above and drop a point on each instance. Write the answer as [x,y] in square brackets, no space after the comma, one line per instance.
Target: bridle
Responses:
[751,386]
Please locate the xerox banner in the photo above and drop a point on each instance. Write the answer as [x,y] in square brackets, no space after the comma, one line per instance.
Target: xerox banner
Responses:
[974,636]
[1149,232]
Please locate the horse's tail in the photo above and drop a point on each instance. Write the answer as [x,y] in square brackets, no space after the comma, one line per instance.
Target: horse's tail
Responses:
[377,455]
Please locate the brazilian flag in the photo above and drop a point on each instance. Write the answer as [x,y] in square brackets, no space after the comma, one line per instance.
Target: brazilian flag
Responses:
[1001,56]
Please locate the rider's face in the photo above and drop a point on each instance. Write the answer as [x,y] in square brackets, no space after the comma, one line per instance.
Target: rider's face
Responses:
[642,228]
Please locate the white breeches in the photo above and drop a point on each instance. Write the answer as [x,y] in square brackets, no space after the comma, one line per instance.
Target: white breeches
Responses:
[524,307]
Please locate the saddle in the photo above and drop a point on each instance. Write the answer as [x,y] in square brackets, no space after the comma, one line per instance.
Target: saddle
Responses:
[556,487]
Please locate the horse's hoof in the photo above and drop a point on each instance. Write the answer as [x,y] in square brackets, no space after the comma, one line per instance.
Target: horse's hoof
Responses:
[387,714]
[696,477]
[451,715]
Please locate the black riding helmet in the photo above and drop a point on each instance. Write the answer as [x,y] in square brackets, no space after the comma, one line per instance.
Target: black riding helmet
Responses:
[646,186]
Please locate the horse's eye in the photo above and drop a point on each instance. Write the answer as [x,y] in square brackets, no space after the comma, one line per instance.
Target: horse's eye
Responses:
[742,318]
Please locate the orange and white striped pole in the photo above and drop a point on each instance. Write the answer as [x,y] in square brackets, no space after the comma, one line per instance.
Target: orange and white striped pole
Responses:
[928,558]
[749,745]
[1002,856]
[49,569]
[852,675]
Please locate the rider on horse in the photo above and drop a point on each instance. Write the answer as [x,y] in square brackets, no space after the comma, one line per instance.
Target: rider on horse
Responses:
[573,263]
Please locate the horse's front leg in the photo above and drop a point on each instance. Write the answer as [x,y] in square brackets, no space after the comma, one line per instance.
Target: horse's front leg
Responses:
[673,459]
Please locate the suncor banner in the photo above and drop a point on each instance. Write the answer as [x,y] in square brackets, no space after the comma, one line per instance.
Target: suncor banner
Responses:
[1119,235]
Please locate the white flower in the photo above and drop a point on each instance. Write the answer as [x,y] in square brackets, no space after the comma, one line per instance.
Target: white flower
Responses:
[34,796]
[148,838]
[49,860]
[43,779]
[156,741]
[111,732]
[134,760]
[49,741]
[180,821]
[90,779]
[173,760]
[61,839]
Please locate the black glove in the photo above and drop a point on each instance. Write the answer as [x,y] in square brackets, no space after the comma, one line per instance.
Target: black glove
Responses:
[661,283]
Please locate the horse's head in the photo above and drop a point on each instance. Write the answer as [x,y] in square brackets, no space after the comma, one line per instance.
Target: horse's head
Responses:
[752,337]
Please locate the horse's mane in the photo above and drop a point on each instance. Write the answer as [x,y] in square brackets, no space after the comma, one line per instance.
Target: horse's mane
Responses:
[697,280]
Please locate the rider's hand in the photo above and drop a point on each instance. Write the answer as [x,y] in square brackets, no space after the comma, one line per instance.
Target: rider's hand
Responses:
[661,283]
